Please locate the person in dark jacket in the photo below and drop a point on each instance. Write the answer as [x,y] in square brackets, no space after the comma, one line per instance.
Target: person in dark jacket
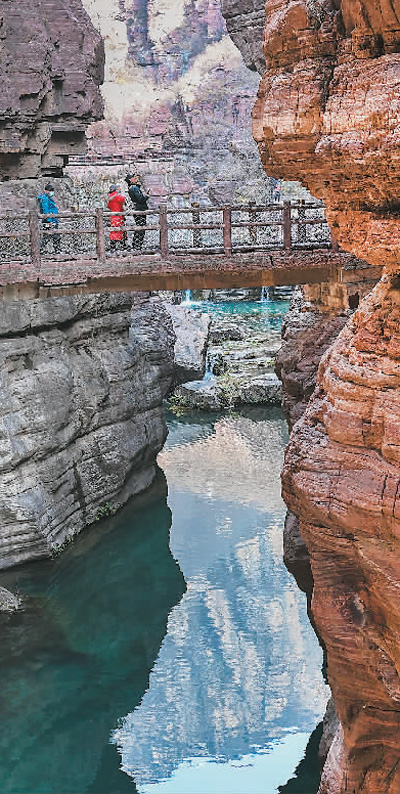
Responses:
[47,205]
[116,202]
[140,202]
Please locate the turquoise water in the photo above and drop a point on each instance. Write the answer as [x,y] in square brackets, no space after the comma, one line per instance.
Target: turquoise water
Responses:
[168,649]
[262,317]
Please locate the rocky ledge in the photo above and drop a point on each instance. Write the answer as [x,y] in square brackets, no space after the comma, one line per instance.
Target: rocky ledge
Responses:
[82,383]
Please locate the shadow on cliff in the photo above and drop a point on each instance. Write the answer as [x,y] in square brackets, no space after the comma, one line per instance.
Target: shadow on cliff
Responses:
[79,656]
[307,774]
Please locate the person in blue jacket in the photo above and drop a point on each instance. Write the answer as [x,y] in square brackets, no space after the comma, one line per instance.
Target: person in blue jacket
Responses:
[47,205]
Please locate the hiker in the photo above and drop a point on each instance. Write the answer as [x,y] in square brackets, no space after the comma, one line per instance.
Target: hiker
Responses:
[47,205]
[116,203]
[277,192]
[140,203]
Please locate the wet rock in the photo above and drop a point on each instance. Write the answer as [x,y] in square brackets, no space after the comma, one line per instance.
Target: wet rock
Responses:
[214,394]
[228,332]
[8,601]
[295,554]
[191,330]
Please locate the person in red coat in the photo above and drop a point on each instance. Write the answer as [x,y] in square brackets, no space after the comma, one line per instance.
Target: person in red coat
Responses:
[116,202]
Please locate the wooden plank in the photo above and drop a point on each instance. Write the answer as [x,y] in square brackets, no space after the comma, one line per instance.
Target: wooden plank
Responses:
[227,218]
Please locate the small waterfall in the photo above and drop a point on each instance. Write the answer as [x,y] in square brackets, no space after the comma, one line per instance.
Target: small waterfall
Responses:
[186,296]
[208,373]
[265,296]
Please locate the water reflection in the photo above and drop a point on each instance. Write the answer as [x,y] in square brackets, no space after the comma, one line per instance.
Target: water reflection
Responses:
[228,688]
[81,652]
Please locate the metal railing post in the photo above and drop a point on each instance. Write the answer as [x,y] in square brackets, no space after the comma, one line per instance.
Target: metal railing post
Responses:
[287,226]
[100,236]
[227,221]
[162,211]
[34,238]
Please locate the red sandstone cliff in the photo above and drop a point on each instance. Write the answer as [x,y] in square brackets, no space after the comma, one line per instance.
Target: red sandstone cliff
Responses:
[329,113]
[51,66]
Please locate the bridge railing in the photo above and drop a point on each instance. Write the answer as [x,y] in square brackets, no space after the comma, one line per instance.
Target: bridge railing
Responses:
[100,235]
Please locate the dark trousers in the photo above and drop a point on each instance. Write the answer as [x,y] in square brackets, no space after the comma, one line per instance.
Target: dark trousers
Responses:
[138,235]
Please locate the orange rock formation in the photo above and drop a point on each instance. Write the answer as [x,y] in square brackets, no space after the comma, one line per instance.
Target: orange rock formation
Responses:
[329,113]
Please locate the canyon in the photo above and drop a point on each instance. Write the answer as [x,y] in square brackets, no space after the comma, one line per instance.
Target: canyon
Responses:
[82,384]
[328,113]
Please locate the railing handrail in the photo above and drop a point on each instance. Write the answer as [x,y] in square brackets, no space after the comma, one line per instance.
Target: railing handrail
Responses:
[286,216]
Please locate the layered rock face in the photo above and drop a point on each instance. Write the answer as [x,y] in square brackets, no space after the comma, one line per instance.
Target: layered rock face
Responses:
[341,477]
[328,113]
[52,65]
[82,380]
[178,97]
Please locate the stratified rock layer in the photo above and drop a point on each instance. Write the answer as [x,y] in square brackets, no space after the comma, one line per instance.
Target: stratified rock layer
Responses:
[81,422]
[328,113]
[342,478]
[51,67]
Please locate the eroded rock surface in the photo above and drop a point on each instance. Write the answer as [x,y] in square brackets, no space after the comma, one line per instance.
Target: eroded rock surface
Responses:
[328,113]
[52,64]
[341,477]
[82,381]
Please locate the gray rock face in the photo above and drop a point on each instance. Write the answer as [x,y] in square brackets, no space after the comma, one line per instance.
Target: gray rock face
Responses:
[81,422]
[245,22]
[192,332]
[8,601]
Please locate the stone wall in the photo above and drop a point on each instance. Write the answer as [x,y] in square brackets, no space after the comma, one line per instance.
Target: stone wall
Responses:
[328,114]
[51,67]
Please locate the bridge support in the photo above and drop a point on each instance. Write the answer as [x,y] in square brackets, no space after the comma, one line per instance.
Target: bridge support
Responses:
[100,236]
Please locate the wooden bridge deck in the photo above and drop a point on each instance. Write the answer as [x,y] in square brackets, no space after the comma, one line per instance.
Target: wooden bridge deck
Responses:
[196,248]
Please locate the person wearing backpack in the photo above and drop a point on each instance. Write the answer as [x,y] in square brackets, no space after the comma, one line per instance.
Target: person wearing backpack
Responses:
[48,206]
[140,203]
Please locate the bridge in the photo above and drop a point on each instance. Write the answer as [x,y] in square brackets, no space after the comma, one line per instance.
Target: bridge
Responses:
[199,247]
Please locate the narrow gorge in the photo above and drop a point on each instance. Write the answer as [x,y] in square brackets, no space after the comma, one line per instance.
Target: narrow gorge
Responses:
[82,417]
[328,114]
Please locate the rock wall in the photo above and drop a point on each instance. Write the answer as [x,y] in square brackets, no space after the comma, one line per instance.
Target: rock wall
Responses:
[328,113]
[178,101]
[82,380]
[51,67]
[341,478]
